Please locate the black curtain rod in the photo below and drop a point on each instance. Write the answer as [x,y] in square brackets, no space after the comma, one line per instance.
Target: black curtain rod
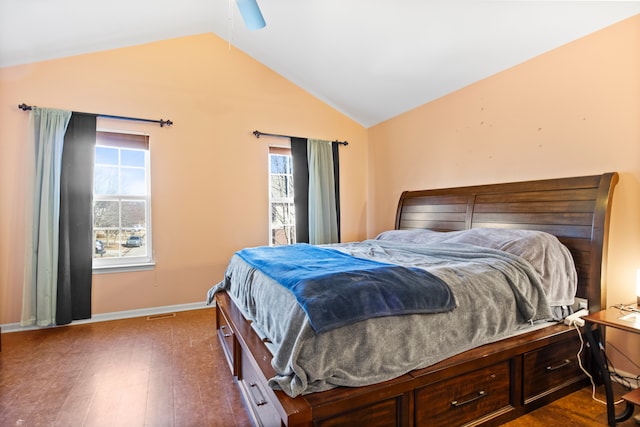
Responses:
[258,134]
[25,107]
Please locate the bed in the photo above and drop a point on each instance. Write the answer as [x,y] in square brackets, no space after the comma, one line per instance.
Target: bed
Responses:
[290,374]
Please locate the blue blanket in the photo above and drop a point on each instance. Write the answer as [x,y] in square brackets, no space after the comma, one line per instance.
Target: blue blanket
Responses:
[336,289]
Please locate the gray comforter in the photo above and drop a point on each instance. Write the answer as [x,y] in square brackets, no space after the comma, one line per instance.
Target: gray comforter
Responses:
[497,293]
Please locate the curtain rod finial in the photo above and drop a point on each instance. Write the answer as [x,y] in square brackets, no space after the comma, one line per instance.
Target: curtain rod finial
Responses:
[257,133]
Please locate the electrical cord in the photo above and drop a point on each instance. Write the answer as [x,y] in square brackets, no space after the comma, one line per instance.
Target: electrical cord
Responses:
[593,384]
[610,344]
[621,379]
[633,308]
[614,373]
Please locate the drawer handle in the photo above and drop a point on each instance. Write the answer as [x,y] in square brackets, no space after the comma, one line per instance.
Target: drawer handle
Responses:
[224,334]
[260,401]
[562,364]
[480,395]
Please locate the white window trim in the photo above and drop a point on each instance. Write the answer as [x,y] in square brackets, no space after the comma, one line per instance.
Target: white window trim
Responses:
[129,264]
[124,268]
[275,199]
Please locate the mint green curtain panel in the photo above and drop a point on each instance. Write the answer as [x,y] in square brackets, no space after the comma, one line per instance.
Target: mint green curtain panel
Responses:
[323,220]
[44,162]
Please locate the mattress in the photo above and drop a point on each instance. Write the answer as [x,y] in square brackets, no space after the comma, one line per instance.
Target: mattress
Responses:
[498,293]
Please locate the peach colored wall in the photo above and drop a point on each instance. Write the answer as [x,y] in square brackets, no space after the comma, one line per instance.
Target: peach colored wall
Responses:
[209,173]
[573,111]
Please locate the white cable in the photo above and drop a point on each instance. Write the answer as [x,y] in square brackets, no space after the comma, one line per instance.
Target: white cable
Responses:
[593,384]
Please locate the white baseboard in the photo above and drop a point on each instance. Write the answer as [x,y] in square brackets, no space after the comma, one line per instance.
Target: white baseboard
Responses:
[117,315]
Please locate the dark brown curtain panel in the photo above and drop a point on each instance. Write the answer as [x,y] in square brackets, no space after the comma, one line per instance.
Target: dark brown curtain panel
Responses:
[300,188]
[76,220]
[336,179]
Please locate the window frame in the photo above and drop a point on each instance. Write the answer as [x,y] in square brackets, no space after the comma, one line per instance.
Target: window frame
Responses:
[281,151]
[136,141]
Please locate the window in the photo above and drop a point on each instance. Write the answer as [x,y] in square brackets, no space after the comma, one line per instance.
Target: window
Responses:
[283,222]
[121,200]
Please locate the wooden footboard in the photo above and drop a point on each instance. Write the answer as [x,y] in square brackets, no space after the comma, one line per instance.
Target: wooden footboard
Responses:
[485,386]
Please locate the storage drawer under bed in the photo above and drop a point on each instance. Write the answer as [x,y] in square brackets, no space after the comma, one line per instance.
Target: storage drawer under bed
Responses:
[228,340]
[465,398]
[255,394]
[550,368]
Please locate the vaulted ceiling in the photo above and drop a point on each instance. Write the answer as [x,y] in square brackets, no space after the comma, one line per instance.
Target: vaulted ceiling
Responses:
[369,59]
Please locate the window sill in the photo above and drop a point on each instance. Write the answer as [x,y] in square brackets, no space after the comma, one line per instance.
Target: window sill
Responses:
[124,268]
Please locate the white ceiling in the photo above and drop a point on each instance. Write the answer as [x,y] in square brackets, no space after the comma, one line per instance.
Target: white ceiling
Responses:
[369,59]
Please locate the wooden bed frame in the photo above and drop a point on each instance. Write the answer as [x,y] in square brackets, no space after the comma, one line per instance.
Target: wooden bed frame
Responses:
[488,385]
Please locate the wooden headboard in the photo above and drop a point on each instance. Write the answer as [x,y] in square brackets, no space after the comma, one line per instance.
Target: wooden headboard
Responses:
[576,210]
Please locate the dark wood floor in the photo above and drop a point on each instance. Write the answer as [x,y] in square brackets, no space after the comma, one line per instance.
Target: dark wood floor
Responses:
[167,371]
[577,409]
[135,372]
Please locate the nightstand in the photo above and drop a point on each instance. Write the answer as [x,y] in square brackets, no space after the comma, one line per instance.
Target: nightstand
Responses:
[613,318]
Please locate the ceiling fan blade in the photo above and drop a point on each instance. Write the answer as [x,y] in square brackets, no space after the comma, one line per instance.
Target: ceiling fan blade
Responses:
[251,14]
